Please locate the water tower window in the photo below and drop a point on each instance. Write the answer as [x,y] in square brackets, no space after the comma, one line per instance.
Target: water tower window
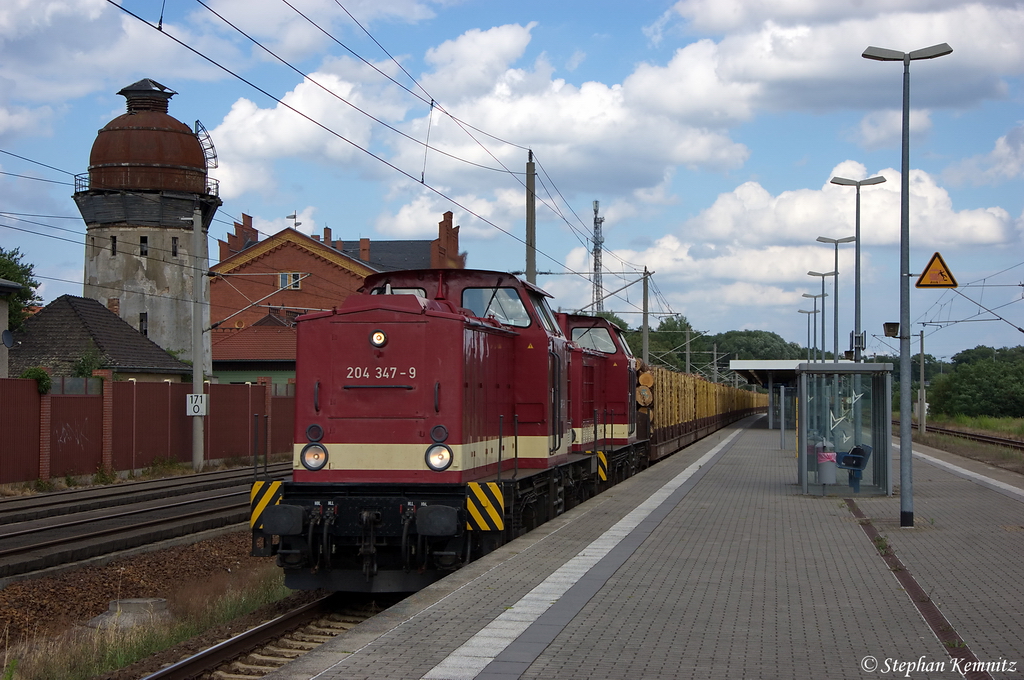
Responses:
[143,246]
[113,245]
[174,246]
[291,280]
[144,324]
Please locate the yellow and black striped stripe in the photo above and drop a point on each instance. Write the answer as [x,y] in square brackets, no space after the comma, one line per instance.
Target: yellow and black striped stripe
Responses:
[485,507]
[262,495]
[602,466]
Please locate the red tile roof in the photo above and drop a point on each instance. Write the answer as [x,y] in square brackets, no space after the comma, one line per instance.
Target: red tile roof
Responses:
[254,343]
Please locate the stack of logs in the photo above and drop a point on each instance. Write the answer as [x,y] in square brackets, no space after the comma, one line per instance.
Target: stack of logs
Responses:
[645,381]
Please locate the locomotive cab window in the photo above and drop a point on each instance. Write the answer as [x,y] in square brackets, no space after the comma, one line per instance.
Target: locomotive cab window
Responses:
[388,290]
[504,304]
[624,344]
[594,338]
[547,318]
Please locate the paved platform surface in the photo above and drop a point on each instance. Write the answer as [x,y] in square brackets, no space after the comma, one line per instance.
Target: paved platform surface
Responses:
[712,564]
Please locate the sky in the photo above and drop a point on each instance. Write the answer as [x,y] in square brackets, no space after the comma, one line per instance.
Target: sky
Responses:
[708,130]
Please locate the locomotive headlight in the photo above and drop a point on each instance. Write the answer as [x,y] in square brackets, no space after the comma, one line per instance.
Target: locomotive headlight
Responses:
[439,457]
[313,456]
[378,338]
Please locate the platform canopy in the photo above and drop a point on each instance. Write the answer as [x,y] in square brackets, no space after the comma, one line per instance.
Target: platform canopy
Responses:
[765,372]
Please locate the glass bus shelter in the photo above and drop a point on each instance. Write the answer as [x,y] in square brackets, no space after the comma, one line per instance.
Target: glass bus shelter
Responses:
[844,428]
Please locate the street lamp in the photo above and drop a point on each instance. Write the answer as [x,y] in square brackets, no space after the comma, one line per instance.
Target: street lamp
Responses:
[809,313]
[823,275]
[906,441]
[815,298]
[858,340]
[835,292]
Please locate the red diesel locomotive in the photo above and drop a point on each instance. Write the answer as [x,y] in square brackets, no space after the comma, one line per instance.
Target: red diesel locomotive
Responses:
[439,414]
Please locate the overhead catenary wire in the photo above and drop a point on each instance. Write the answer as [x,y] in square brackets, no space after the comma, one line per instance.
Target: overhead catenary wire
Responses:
[334,133]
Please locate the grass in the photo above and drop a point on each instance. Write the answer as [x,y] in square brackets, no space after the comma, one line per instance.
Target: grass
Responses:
[1011,427]
[85,653]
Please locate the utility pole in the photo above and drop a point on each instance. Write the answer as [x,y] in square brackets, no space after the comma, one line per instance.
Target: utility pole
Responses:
[646,325]
[687,350]
[198,354]
[922,402]
[598,247]
[531,220]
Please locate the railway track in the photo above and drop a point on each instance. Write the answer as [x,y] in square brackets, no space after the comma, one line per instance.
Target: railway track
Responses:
[269,646]
[40,532]
[1015,444]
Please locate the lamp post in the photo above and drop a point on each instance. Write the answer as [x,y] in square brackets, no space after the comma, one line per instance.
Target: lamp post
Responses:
[822,275]
[809,313]
[857,339]
[906,441]
[835,291]
[815,298]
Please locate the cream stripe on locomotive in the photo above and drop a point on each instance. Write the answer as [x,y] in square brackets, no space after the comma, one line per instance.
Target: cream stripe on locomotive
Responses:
[378,457]
[585,435]
[485,507]
[261,496]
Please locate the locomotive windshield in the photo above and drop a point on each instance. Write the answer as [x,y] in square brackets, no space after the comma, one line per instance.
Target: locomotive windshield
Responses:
[594,338]
[504,304]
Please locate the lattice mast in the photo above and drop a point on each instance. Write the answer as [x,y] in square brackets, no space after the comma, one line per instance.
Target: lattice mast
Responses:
[598,247]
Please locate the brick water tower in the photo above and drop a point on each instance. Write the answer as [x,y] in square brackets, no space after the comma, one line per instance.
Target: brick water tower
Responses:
[147,174]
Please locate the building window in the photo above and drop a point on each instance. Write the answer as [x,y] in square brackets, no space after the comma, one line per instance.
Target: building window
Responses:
[291,280]
[143,246]
[113,245]
[144,324]
[174,246]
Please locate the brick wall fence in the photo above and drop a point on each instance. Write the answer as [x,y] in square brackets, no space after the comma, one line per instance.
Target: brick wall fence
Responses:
[133,425]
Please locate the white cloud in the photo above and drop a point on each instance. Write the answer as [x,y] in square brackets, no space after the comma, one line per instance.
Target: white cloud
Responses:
[752,214]
[1005,161]
[475,62]
[880,129]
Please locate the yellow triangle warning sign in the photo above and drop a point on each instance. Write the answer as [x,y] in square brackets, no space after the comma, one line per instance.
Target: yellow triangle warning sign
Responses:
[936,275]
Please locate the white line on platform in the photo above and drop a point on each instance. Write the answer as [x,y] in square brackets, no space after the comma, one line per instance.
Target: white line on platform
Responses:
[467,661]
[975,476]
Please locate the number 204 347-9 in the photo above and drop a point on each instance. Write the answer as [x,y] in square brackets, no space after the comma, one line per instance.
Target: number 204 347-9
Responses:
[379,372]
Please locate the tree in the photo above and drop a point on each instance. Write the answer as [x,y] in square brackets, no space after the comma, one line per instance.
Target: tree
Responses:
[13,269]
[667,342]
[980,388]
[762,345]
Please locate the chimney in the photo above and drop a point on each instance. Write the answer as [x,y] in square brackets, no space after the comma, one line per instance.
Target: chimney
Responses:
[364,249]
[114,305]
[327,235]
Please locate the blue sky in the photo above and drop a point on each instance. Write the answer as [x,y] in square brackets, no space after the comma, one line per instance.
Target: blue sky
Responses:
[707,129]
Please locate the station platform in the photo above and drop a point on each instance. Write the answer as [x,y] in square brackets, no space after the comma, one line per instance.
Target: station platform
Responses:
[712,564]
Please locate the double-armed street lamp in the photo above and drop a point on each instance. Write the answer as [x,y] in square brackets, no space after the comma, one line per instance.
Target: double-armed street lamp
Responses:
[906,441]
[823,275]
[814,357]
[858,339]
[809,313]
[835,291]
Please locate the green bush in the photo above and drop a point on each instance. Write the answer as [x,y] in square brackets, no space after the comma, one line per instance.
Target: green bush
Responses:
[41,377]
